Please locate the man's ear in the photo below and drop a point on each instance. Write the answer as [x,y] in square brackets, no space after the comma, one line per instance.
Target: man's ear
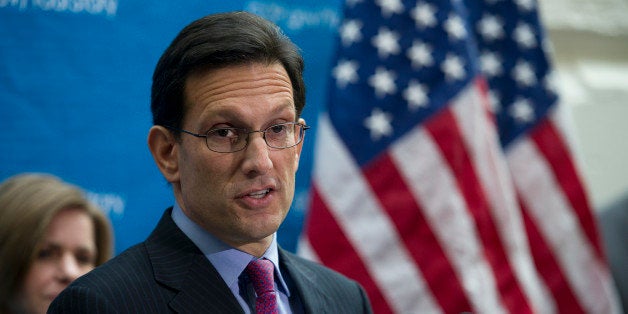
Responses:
[299,147]
[163,147]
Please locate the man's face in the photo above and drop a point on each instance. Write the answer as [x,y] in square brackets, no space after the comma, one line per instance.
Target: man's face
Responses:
[239,197]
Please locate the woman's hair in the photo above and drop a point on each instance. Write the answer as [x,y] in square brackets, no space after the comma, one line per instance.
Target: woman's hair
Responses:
[28,203]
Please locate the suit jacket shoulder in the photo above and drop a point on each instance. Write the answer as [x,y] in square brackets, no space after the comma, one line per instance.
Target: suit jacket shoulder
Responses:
[166,273]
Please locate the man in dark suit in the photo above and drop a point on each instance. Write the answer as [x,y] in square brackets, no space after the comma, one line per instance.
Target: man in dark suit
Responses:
[227,97]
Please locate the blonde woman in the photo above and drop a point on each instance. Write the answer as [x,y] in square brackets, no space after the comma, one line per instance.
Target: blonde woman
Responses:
[50,234]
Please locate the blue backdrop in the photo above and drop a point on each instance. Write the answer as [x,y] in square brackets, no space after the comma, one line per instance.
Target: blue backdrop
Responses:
[75,80]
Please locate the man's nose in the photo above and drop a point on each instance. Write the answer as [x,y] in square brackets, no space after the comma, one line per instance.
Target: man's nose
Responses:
[257,152]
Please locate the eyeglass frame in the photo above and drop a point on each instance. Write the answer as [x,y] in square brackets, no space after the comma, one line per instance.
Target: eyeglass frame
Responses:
[248,132]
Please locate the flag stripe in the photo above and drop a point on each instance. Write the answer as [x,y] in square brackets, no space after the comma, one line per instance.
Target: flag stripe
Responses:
[335,251]
[539,191]
[358,213]
[549,269]
[551,145]
[480,135]
[444,129]
[433,186]
[416,234]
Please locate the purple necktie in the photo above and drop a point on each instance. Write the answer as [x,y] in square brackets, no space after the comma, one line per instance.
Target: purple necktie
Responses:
[261,274]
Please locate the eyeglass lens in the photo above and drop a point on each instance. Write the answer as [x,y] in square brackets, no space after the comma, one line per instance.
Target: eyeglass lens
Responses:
[281,135]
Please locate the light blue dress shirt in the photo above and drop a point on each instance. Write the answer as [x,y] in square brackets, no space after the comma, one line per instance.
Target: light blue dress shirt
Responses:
[230,262]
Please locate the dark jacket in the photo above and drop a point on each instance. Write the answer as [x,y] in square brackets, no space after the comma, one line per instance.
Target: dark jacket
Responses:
[167,273]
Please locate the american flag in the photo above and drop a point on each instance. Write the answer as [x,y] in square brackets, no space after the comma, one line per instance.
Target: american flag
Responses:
[443,178]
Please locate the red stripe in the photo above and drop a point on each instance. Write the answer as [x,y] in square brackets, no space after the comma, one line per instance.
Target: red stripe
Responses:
[548,268]
[552,146]
[335,251]
[444,130]
[417,235]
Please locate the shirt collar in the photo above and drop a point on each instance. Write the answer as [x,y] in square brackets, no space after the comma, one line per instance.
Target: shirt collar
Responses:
[228,261]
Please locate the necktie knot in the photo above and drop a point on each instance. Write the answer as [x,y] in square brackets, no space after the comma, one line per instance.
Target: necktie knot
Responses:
[261,273]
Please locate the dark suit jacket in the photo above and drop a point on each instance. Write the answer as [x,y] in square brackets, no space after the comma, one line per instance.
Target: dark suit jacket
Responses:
[167,273]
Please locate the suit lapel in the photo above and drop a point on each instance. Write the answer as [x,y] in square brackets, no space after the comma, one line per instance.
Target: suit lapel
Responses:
[312,298]
[180,265]
[204,291]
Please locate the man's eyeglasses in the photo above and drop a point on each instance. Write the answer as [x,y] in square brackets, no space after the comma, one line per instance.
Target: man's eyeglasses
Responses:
[229,140]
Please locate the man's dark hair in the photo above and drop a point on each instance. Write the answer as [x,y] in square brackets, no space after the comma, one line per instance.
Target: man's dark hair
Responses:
[218,41]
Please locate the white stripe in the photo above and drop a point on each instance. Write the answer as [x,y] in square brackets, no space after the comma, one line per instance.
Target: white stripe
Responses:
[367,227]
[563,124]
[434,187]
[551,212]
[490,164]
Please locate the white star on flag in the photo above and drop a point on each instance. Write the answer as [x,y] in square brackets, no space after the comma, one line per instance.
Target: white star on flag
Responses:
[350,32]
[383,81]
[521,110]
[453,67]
[424,15]
[524,36]
[420,54]
[491,27]
[523,74]
[345,72]
[416,95]
[386,42]
[491,64]
[379,123]
[390,6]
[455,27]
